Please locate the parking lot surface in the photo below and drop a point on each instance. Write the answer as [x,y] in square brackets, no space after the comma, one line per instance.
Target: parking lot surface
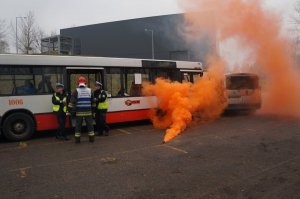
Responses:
[256,156]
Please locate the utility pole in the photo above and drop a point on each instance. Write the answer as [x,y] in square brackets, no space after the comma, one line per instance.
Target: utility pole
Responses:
[152,36]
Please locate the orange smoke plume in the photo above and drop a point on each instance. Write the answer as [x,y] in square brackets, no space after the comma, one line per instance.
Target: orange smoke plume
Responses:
[258,30]
[178,102]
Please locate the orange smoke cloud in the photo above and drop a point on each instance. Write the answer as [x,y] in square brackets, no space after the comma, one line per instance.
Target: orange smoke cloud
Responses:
[259,30]
[178,102]
[256,30]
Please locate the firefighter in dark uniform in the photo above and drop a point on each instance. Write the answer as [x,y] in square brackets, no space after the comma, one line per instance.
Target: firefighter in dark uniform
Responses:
[81,105]
[59,101]
[101,103]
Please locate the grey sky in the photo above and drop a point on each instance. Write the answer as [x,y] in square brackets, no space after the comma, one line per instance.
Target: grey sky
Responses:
[57,14]
[52,15]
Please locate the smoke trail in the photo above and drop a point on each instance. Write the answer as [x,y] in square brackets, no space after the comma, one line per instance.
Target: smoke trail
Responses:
[257,30]
[178,102]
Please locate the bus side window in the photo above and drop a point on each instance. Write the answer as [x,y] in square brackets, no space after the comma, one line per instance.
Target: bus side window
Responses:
[191,77]
[114,79]
[134,79]
[186,77]
[51,75]
[6,81]
[24,81]
[167,74]
[197,76]
[45,85]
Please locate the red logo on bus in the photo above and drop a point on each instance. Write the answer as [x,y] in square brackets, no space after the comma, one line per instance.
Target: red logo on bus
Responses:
[15,102]
[131,102]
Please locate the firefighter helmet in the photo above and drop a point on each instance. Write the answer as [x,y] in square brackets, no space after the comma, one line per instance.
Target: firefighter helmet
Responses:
[81,81]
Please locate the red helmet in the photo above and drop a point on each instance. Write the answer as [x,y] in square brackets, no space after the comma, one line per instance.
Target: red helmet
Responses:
[81,80]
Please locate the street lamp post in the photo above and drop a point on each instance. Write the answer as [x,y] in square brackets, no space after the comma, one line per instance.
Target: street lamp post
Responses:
[152,34]
[17,49]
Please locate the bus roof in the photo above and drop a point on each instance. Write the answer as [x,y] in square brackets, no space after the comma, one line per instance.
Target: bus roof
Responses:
[58,60]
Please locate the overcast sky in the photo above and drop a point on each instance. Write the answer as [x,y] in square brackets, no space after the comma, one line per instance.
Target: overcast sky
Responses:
[57,14]
[52,15]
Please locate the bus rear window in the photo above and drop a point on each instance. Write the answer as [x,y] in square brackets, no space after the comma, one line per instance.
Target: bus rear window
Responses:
[241,82]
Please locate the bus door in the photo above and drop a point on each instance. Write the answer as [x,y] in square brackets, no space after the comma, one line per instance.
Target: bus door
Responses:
[91,74]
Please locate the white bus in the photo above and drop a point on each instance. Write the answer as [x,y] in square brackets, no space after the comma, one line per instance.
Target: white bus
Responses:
[27,83]
[243,91]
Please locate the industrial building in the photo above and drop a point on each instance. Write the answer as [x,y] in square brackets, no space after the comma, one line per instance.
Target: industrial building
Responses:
[159,37]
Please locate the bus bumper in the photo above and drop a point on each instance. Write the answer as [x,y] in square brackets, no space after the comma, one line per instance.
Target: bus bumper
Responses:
[243,106]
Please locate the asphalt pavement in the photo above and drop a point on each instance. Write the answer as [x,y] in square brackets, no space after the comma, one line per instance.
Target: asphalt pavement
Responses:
[241,156]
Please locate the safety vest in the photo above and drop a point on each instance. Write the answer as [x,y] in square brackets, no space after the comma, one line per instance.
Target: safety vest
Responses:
[83,105]
[103,105]
[56,107]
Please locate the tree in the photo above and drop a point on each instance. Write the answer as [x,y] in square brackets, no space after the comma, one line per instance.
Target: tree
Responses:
[4,47]
[295,30]
[29,35]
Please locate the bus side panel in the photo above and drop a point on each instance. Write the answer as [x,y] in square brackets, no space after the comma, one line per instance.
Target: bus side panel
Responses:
[48,122]
[127,116]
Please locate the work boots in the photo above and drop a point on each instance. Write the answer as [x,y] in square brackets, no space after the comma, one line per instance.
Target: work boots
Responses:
[77,140]
[92,139]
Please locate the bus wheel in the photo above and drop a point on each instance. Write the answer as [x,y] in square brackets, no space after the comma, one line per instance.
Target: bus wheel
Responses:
[18,127]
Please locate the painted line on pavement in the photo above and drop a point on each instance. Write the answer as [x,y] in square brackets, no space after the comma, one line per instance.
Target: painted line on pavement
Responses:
[124,131]
[175,149]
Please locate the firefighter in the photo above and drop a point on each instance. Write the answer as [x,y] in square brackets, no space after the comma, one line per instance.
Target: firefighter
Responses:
[59,101]
[101,103]
[81,105]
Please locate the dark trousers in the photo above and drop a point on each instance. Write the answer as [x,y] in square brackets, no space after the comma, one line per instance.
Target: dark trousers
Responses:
[89,125]
[101,121]
[61,119]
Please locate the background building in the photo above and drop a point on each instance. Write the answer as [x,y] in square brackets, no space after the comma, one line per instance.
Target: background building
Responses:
[57,45]
[129,39]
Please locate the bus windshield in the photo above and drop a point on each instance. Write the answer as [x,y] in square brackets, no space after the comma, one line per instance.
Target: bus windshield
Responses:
[242,82]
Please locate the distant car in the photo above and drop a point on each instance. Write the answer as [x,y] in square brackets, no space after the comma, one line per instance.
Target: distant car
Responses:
[243,91]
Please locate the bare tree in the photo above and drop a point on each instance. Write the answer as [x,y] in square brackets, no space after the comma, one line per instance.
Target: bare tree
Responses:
[4,46]
[295,30]
[295,19]
[29,35]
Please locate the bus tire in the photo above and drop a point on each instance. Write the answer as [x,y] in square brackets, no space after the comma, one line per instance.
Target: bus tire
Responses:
[18,127]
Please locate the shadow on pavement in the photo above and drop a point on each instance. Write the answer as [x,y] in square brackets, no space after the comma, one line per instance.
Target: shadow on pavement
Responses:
[70,131]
